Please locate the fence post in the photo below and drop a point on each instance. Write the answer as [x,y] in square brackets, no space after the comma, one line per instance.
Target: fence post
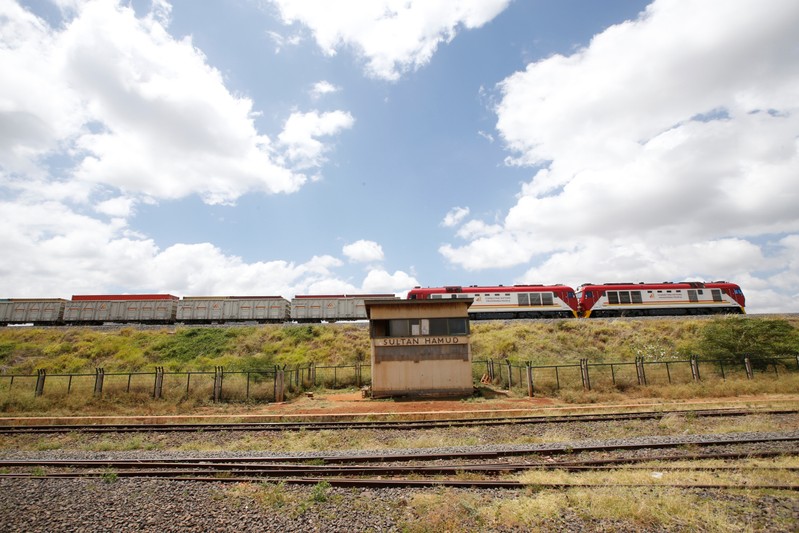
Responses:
[510,376]
[159,382]
[530,390]
[248,387]
[491,370]
[218,374]
[41,375]
[668,372]
[313,372]
[584,374]
[99,376]
[279,392]
[695,368]
[721,367]
[358,375]
[188,383]
[639,368]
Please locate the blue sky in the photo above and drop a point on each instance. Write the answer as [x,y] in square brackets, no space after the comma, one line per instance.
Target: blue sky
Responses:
[295,147]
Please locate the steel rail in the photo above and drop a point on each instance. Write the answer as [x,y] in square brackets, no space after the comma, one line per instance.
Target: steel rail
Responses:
[295,470]
[333,459]
[416,424]
[397,482]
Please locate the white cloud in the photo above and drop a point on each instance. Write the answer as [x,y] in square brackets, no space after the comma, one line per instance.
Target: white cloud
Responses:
[282,41]
[116,207]
[667,148]
[363,251]
[299,136]
[49,249]
[455,216]
[393,36]
[382,282]
[126,105]
[486,136]
[322,88]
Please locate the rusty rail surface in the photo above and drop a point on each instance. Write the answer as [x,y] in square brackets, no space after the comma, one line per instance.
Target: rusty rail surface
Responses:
[399,424]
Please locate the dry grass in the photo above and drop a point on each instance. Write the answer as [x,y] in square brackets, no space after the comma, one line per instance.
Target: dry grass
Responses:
[606,509]
[665,475]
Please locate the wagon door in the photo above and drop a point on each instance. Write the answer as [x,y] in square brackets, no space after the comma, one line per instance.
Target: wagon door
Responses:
[692,296]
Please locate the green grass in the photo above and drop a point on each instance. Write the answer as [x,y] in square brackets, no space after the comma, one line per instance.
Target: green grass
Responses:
[72,350]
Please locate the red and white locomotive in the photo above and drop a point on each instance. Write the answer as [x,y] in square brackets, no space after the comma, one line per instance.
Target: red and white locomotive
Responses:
[659,299]
[516,301]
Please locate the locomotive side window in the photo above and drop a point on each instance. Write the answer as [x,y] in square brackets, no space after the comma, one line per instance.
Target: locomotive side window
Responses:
[613,297]
[546,298]
[716,294]
[524,299]
[636,297]
[624,297]
[535,299]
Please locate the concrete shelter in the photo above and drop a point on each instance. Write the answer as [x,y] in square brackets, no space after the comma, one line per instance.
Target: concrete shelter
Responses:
[420,347]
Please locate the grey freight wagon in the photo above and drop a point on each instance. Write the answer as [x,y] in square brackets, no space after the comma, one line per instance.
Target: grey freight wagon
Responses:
[218,309]
[145,309]
[331,308]
[39,312]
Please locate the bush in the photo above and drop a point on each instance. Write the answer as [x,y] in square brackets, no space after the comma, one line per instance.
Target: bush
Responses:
[730,339]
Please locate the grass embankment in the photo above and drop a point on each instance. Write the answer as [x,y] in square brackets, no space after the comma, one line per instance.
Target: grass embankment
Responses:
[60,350]
[246,353]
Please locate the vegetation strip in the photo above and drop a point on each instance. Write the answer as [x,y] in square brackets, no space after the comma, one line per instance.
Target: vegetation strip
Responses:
[402,424]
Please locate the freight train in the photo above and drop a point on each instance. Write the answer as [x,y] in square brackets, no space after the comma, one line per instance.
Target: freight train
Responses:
[488,302]
[169,309]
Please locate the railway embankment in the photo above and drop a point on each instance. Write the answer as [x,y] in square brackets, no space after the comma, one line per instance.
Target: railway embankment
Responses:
[180,348]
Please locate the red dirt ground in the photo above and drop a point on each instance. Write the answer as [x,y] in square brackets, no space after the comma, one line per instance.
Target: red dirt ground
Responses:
[350,405]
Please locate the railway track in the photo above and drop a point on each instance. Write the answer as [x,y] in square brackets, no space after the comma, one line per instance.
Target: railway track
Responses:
[350,473]
[381,425]
[547,449]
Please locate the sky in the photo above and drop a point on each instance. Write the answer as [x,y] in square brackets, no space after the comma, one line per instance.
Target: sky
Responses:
[284,147]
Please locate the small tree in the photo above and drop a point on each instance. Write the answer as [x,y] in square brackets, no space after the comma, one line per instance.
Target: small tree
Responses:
[731,339]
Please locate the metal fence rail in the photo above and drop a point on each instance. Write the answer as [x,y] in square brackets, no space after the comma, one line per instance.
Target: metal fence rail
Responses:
[548,379]
[273,384]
